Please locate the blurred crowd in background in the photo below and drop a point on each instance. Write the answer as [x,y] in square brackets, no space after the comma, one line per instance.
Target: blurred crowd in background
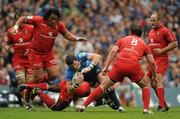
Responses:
[101,21]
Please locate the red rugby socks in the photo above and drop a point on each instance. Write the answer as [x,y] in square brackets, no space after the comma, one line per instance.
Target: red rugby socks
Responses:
[96,94]
[160,95]
[46,99]
[146,97]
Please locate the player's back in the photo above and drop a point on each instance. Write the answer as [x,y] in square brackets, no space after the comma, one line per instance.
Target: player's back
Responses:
[132,49]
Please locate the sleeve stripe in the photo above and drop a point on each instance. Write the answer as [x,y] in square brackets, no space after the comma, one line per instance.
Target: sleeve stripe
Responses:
[171,37]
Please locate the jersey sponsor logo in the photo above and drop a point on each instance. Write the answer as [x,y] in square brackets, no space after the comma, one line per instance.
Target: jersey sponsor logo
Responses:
[50,33]
[21,42]
[154,45]
[45,36]
[151,43]
[37,65]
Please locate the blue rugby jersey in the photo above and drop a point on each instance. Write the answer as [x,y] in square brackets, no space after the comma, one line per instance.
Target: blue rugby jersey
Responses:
[84,62]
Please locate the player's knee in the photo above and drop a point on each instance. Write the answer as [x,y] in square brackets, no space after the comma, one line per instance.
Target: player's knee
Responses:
[83,90]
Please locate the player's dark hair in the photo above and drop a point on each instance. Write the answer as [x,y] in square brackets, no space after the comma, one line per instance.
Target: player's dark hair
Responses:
[52,11]
[18,13]
[136,30]
[70,59]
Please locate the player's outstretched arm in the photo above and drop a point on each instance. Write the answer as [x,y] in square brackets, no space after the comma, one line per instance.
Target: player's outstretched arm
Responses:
[110,58]
[71,37]
[18,23]
[95,60]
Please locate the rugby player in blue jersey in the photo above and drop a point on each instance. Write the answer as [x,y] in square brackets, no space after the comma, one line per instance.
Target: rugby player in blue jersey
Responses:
[89,65]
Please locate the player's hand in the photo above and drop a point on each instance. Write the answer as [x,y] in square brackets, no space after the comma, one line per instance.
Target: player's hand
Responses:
[85,70]
[104,71]
[81,39]
[155,82]
[14,29]
[7,48]
[158,51]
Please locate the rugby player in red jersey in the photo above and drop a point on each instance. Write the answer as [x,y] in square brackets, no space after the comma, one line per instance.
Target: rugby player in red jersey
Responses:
[20,41]
[46,29]
[65,97]
[160,41]
[130,50]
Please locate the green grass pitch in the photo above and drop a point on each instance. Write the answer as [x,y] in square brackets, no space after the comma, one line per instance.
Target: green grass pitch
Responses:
[90,113]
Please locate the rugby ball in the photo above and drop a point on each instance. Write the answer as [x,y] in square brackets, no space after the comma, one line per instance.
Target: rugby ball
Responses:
[77,79]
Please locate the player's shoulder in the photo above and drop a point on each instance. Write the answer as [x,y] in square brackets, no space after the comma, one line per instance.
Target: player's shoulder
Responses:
[36,18]
[60,23]
[121,39]
[151,31]
[68,70]
[164,29]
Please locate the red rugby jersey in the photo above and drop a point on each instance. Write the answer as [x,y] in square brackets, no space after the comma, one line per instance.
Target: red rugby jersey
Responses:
[132,48]
[44,35]
[159,38]
[21,40]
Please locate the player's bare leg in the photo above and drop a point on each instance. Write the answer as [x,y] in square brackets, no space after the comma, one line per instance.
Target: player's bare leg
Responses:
[37,75]
[53,72]
[160,92]
[21,78]
[96,94]
[111,97]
